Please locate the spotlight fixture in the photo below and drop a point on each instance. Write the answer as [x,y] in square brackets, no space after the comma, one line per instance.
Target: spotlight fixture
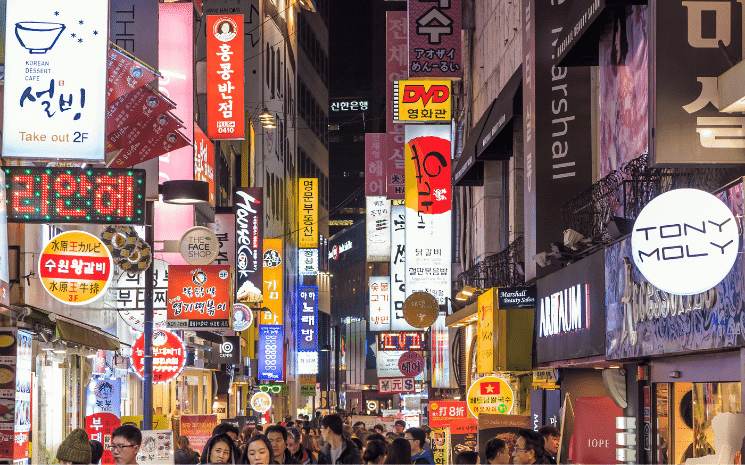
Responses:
[618,227]
[467,292]
[542,259]
[186,192]
[571,238]
[267,119]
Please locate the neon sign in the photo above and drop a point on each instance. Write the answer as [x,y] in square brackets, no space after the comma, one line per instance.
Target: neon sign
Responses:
[67,195]
[408,340]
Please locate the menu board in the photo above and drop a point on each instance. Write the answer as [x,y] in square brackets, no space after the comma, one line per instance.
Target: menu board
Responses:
[15,394]
[156,448]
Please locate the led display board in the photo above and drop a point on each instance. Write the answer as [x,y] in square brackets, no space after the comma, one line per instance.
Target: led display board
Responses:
[404,340]
[271,355]
[66,195]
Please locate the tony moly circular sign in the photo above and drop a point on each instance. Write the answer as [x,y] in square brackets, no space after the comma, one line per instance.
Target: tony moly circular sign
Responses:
[490,395]
[75,267]
[685,241]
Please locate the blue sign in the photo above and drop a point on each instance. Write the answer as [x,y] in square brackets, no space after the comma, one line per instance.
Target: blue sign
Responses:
[271,360]
[104,396]
[307,338]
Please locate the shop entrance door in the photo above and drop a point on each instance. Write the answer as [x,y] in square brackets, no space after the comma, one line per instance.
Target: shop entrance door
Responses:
[683,414]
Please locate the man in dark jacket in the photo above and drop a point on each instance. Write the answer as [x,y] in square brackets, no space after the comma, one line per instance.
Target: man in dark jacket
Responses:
[337,449]
[529,448]
[552,437]
[417,438]
[277,436]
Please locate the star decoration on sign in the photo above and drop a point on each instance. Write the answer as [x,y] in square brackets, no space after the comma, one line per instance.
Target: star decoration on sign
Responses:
[72,35]
[56,13]
[80,40]
[80,22]
[95,33]
[489,388]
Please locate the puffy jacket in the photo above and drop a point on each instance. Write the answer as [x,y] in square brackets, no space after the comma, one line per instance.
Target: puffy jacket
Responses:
[349,454]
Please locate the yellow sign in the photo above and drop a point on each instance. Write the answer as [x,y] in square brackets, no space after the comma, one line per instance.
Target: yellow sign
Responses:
[490,395]
[160,422]
[422,101]
[308,213]
[75,267]
[485,332]
[273,283]
[261,402]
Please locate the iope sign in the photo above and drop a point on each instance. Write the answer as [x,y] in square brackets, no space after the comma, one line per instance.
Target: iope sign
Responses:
[685,241]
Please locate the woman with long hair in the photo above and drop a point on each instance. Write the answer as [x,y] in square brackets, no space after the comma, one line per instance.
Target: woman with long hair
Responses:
[258,451]
[219,449]
[185,454]
[375,452]
[399,451]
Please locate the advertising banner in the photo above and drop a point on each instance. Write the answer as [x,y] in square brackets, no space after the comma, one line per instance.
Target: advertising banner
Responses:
[396,68]
[99,427]
[557,121]
[396,385]
[378,220]
[463,435]
[198,428]
[199,296]
[490,395]
[375,163]
[422,101]
[428,209]
[204,161]
[54,102]
[440,354]
[485,332]
[273,283]
[398,269]
[594,427]
[271,355]
[440,444]
[504,427]
[165,138]
[22,381]
[134,27]
[434,39]
[225,106]
[156,447]
[380,303]
[142,104]
[308,213]
[4,264]
[442,413]
[249,231]
[224,229]
[75,268]
[104,396]
[125,74]
[141,131]
[169,356]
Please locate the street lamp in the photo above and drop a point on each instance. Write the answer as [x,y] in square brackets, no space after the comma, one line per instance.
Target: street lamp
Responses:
[186,192]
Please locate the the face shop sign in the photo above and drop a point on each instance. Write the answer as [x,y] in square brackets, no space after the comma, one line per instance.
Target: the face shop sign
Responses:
[685,241]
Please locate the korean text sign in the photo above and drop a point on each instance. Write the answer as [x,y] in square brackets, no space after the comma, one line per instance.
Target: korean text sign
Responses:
[198,428]
[378,224]
[398,269]
[225,113]
[62,195]
[169,356]
[104,396]
[375,163]
[204,161]
[308,337]
[249,231]
[99,427]
[428,210]
[273,283]
[75,268]
[54,100]
[199,296]
[422,101]
[380,303]
[434,38]
[271,355]
[395,69]
[308,213]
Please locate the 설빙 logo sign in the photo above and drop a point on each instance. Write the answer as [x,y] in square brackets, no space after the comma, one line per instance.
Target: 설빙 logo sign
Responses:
[685,241]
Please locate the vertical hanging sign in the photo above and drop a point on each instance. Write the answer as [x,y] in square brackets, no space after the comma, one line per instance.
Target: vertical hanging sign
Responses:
[307,340]
[308,213]
[378,221]
[428,207]
[434,39]
[273,283]
[398,269]
[380,303]
[249,232]
[54,101]
[225,112]
[395,70]
[204,161]
[375,164]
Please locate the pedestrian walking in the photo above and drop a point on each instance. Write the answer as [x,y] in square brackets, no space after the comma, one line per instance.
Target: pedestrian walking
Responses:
[258,451]
[219,449]
[338,449]
[399,452]
[184,454]
[125,443]
[75,448]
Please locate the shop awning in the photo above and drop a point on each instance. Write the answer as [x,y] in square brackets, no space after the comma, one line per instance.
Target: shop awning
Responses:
[85,335]
[578,43]
[491,136]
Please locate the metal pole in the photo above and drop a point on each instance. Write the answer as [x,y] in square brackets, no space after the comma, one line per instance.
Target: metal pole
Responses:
[147,379]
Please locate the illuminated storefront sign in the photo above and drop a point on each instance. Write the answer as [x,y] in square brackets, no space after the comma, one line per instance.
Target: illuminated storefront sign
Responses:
[54,101]
[308,262]
[350,105]
[224,228]
[440,354]
[685,241]
[271,355]
[169,356]
[398,269]
[485,332]
[249,230]
[308,213]
[380,303]
[273,283]
[225,112]
[199,297]
[103,396]
[396,67]
[243,317]
[422,101]
[340,249]
[378,221]
[396,385]
[490,395]
[434,39]
[428,210]
[375,163]
[4,266]
[564,311]
[130,296]
[75,268]
[204,161]
[409,340]
[307,338]
[67,195]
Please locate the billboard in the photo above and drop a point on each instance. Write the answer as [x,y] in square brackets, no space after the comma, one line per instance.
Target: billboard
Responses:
[308,213]
[380,303]
[434,39]
[199,297]
[428,211]
[54,101]
[249,232]
[422,101]
[378,224]
[225,106]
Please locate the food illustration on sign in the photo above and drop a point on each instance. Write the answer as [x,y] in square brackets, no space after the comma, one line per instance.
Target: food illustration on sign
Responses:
[249,293]
[36,37]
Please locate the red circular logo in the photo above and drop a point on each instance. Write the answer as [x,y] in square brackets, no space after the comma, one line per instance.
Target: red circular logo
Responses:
[169,356]
[411,363]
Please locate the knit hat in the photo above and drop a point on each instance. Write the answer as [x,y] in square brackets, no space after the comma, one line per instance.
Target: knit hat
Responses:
[75,447]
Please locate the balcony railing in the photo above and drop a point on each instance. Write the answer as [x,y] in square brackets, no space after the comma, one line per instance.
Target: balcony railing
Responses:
[502,269]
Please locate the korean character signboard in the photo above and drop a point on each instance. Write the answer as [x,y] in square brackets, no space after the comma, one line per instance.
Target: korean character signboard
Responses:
[204,161]
[271,355]
[380,303]
[308,213]
[99,427]
[687,125]
[225,112]
[422,101]
[375,163]
[224,229]
[273,283]
[249,230]
[54,100]
[104,396]
[434,39]
[396,66]
[308,262]
[378,224]
[307,339]
[169,356]
[130,296]
[428,209]
[398,269]
[75,268]
[199,297]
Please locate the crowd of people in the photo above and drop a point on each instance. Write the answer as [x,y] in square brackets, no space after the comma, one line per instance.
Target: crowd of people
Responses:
[328,440]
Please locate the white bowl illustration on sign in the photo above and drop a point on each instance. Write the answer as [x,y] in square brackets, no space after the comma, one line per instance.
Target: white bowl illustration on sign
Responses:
[38,37]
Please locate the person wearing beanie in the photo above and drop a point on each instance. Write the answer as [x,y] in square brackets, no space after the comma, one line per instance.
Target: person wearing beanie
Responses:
[96,451]
[75,448]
